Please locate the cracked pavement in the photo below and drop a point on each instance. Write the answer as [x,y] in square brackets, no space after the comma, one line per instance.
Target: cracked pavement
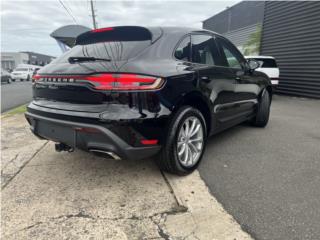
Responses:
[50,195]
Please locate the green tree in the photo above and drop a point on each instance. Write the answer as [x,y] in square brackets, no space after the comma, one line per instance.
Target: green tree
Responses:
[252,46]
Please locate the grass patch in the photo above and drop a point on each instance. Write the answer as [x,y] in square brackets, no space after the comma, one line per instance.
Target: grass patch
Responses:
[17,110]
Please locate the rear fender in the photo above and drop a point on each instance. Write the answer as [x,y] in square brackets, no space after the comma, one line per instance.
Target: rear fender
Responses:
[198,101]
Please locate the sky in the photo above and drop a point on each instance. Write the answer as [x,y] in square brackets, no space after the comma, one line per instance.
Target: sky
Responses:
[26,25]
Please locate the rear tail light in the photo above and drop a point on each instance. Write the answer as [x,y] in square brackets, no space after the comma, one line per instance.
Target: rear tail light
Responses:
[120,82]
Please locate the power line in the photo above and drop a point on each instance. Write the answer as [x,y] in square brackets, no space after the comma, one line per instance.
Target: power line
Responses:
[70,14]
[72,7]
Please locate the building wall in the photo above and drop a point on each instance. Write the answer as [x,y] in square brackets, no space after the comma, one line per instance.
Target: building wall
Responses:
[10,60]
[39,59]
[291,34]
[238,22]
[240,36]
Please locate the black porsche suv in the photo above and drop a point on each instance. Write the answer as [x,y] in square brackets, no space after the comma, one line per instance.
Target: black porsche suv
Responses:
[133,92]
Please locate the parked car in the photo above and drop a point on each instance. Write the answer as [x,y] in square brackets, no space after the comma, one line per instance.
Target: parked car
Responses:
[267,65]
[5,76]
[23,72]
[135,92]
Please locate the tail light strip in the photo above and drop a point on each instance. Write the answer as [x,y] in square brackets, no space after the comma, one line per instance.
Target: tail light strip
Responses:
[109,81]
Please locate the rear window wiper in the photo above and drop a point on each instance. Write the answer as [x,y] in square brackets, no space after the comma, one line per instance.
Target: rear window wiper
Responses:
[86,59]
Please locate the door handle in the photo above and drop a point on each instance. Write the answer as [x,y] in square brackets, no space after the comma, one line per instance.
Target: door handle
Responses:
[205,78]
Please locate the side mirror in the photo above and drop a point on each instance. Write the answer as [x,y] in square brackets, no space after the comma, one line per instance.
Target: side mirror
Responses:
[253,64]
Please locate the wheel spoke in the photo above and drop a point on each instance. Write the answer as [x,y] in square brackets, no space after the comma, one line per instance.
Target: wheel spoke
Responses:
[196,130]
[187,128]
[193,147]
[192,126]
[182,150]
[180,143]
[186,153]
[182,133]
[196,139]
[190,159]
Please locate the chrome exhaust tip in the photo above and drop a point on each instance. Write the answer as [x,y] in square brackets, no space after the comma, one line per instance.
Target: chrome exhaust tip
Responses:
[110,154]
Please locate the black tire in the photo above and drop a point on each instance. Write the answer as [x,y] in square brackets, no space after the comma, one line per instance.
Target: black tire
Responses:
[167,159]
[262,117]
[28,78]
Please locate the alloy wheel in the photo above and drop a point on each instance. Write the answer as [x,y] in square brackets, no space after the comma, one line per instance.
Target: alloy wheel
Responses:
[190,142]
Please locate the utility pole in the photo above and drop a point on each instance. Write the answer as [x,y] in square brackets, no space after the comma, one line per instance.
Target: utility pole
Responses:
[93,15]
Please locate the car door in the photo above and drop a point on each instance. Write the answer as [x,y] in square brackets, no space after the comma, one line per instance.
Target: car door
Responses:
[216,80]
[244,98]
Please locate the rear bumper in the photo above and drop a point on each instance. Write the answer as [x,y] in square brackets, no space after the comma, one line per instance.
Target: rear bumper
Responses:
[86,136]
[18,77]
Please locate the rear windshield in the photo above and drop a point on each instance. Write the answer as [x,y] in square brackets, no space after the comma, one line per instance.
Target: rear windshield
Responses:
[113,50]
[267,63]
[115,43]
[21,69]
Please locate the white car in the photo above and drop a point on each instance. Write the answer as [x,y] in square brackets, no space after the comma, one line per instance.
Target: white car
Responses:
[268,65]
[22,73]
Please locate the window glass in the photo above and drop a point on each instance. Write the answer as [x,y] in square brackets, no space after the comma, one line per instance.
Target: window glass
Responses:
[203,49]
[229,54]
[183,50]
[231,59]
[114,50]
[266,63]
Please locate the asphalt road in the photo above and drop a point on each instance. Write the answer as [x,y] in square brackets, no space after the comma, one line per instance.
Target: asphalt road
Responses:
[269,179]
[15,94]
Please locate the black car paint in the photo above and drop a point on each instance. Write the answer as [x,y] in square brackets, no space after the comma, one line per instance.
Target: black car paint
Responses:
[224,95]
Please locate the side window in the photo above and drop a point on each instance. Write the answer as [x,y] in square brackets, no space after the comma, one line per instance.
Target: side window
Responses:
[204,49]
[230,55]
[266,63]
[183,50]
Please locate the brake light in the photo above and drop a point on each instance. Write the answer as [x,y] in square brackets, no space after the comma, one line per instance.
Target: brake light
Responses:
[102,29]
[35,78]
[108,81]
[125,82]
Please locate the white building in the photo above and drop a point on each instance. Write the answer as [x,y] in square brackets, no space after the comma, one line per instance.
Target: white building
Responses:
[9,60]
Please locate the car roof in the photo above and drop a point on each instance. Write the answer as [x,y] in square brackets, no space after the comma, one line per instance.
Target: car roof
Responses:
[266,57]
[182,30]
[155,31]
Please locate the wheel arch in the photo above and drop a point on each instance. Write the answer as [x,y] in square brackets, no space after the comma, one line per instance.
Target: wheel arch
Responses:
[269,91]
[196,100]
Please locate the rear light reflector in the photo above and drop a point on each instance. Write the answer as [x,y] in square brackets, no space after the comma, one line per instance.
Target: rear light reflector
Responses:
[149,142]
[86,130]
[108,81]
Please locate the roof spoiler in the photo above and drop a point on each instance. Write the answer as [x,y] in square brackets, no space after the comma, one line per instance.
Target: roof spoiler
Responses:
[122,33]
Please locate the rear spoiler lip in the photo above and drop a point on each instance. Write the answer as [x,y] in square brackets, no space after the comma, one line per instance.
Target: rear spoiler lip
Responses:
[155,32]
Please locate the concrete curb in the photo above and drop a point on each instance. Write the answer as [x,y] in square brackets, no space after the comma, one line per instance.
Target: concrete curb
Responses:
[205,218]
